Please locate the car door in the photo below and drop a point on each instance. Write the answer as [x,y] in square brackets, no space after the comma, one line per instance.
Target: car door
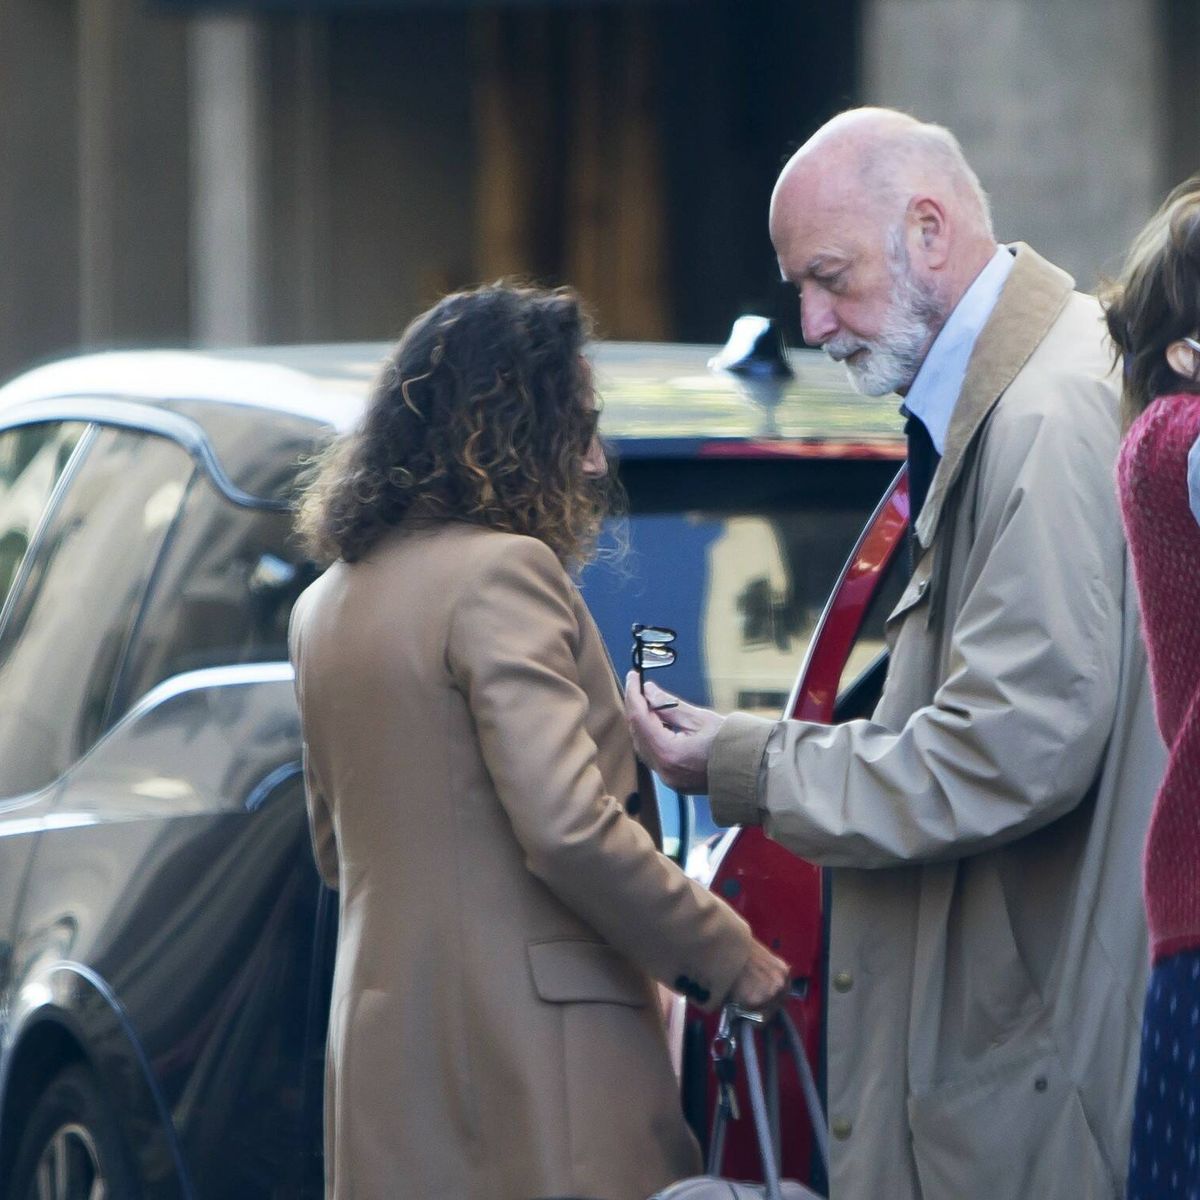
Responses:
[68,617]
[33,461]
[781,896]
[172,870]
[227,975]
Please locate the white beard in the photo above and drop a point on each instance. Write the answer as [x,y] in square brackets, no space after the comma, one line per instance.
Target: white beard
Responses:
[892,359]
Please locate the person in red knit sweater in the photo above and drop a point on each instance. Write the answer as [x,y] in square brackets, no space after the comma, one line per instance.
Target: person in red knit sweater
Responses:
[1153,314]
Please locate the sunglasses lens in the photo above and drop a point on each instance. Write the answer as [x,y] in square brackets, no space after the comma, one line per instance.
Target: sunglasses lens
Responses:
[657,656]
[653,635]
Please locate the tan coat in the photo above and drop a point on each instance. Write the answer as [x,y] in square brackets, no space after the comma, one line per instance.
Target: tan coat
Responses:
[988,952]
[494,1032]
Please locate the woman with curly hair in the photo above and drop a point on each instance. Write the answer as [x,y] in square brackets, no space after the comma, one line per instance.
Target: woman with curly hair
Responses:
[1153,314]
[494,1031]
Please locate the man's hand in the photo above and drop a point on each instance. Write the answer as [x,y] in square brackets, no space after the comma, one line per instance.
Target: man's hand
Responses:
[677,741]
[763,982]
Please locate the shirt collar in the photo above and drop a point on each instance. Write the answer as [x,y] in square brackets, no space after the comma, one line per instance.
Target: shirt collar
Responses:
[935,390]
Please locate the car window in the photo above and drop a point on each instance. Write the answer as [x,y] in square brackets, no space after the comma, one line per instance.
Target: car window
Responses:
[70,620]
[743,591]
[222,594]
[738,557]
[264,458]
[32,457]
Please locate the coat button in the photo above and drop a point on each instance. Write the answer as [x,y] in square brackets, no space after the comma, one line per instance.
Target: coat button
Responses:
[683,984]
[633,804]
[843,981]
[841,1128]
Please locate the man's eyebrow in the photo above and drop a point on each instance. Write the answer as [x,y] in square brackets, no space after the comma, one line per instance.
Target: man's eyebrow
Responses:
[824,262]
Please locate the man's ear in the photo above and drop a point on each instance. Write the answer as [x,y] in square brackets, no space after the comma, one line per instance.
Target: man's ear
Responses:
[1184,361]
[927,219]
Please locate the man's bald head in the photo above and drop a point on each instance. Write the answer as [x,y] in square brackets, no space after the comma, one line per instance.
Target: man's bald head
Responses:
[879,158]
[876,200]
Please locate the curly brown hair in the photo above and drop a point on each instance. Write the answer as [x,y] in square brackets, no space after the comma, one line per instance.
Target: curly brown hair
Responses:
[483,412]
[1156,300]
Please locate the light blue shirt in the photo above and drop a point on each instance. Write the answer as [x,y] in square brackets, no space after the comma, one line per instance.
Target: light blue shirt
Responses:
[935,390]
[1194,478]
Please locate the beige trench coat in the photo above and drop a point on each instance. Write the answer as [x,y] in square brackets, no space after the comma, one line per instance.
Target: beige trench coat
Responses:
[494,1032]
[987,949]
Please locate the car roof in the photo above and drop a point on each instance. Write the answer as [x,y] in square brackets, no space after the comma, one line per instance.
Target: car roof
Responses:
[658,400]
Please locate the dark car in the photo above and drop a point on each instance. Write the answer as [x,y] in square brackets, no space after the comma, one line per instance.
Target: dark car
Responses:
[165,944]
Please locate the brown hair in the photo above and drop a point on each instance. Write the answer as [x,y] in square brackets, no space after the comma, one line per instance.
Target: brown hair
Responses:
[1156,300]
[482,413]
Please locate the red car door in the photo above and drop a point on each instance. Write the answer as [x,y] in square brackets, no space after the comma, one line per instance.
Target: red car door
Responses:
[780,895]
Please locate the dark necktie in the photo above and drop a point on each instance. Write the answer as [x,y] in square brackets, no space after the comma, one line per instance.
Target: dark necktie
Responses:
[922,462]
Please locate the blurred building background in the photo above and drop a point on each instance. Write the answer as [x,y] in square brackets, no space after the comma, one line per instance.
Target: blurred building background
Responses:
[173,171]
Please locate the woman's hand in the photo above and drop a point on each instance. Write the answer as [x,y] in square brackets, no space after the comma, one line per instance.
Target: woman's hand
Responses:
[762,983]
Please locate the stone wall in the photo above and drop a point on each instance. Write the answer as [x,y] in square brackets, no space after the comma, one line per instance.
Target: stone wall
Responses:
[1061,105]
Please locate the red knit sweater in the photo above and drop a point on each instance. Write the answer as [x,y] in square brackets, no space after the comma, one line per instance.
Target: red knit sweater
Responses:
[1164,540]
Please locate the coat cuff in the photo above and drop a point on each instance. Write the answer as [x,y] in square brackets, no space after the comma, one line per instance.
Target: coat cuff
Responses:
[734,767]
[725,967]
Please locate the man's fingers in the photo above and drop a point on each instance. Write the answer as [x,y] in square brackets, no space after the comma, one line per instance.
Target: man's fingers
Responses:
[673,740]
[647,727]
[656,696]
[643,708]
[635,702]
[670,710]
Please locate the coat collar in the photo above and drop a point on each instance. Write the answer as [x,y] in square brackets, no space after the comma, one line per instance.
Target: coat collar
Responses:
[1033,296]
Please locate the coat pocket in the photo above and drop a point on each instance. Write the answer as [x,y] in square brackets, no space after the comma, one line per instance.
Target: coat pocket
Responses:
[572,971]
[1010,1134]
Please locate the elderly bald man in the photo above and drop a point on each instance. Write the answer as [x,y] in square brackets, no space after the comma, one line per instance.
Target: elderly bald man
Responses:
[984,826]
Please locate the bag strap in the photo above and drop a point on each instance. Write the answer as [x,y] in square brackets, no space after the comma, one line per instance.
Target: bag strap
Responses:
[771,1088]
[812,1098]
[758,1108]
[724,1058]
[736,1030]
[738,1026]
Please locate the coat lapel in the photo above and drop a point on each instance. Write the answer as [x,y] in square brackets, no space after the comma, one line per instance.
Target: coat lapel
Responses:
[1033,296]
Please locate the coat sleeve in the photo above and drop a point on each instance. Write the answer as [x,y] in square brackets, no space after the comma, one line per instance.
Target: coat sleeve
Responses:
[511,651]
[1017,730]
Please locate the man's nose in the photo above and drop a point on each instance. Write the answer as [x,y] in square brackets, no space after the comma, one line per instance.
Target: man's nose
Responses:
[817,320]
